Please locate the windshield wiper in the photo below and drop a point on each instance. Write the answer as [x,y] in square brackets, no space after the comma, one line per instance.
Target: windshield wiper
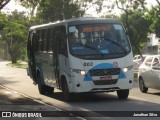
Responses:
[116,43]
[87,46]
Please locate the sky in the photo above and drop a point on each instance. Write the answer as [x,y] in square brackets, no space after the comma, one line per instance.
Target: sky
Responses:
[12,5]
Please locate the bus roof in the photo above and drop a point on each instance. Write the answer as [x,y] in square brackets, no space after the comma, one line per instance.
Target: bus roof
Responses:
[80,20]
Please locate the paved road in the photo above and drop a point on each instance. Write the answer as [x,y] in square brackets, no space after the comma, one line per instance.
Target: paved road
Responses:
[18,104]
[17,79]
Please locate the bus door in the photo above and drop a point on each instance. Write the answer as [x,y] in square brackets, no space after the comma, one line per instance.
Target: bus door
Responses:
[31,55]
[45,56]
[56,60]
[60,55]
[48,57]
[51,57]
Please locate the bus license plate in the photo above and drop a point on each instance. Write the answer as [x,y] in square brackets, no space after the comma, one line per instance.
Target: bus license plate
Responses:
[106,78]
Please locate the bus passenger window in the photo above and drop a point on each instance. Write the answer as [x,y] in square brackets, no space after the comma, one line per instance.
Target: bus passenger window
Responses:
[40,41]
[62,43]
[45,40]
[35,40]
[51,40]
[63,46]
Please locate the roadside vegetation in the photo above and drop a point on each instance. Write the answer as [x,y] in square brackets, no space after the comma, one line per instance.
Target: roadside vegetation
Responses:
[134,14]
[18,65]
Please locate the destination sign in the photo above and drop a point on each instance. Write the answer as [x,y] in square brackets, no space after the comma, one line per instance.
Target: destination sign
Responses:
[96,28]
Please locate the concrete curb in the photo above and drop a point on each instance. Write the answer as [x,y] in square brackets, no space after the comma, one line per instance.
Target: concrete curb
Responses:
[12,100]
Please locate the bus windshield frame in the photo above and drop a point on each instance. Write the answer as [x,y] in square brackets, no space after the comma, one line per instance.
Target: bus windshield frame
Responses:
[98,41]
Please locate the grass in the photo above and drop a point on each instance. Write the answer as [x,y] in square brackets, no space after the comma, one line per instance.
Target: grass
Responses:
[18,65]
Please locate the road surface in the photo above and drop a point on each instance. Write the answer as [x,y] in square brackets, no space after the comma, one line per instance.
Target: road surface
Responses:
[17,79]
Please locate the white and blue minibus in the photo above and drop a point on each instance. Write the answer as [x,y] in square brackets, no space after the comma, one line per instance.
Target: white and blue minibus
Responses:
[81,55]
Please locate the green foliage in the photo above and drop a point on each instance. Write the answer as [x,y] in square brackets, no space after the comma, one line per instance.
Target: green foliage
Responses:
[1,52]
[14,33]
[18,65]
[140,26]
[14,27]
[87,4]
[3,20]
[110,16]
[154,15]
[30,4]
[52,10]
[134,16]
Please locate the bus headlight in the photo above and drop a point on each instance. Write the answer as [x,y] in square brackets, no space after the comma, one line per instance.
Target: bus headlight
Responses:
[82,72]
[126,69]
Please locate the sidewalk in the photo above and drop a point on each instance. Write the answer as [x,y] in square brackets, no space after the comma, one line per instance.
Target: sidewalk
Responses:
[12,101]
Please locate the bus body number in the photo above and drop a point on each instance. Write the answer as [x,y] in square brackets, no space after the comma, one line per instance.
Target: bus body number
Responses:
[88,64]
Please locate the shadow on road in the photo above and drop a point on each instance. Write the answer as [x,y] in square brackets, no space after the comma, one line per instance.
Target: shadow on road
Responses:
[102,105]
[13,101]
[7,80]
[154,93]
[87,97]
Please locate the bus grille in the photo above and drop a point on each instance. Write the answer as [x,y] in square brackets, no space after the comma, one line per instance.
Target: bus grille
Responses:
[105,82]
[104,72]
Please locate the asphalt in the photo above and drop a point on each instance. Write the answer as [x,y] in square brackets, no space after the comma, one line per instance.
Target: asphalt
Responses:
[18,105]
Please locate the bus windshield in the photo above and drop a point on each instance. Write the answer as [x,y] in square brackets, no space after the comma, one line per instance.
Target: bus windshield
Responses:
[98,40]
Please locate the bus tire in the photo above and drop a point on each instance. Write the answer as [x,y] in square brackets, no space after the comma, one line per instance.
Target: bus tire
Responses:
[49,90]
[142,87]
[123,94]
[67,96]
[43,89]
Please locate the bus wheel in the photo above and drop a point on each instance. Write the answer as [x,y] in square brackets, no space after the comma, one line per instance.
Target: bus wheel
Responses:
[49,90]
[123,94]
[43,89]
[67,96]
[142,87]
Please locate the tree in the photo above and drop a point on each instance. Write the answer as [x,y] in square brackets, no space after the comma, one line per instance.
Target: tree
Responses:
[3,20]
[14,33]
[128,7]
[87,4]
[3,3]
[53,10]
[154,15]
[3,48]
[31,4]
[140,27]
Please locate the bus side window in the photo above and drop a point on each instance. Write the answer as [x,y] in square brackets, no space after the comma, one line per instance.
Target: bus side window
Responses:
[45,40]
[35,39]
[40,41]
[51,39]
[61,36]
[48,39]
[63,44]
